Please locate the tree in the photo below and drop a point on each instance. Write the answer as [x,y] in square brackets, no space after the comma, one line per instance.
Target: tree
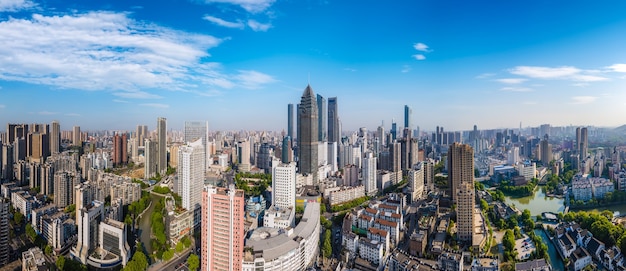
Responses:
[193,262]
[168,255]
[30,232]
[327,248]
[60,262]
[179,247]
[484,205]
[18,218]
[48,250]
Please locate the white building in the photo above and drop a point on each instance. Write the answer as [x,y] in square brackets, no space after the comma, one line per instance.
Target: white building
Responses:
[280,218]
[127,191]
[369,174]
[112,240]
[416,181]
[581,188]
[528,170]
[600,187]
[371,250]
[191,175]
[290,250]
[344,194]
[284,185]
[88,218]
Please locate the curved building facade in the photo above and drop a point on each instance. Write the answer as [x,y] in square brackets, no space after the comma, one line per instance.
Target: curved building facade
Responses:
[270,249]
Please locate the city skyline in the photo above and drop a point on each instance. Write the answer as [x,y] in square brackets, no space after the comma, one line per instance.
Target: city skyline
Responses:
[238,63]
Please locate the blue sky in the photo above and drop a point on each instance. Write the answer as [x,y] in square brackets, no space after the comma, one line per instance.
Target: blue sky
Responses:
[238,63]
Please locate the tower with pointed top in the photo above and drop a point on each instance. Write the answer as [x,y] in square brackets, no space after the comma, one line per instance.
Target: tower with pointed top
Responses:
[308,133]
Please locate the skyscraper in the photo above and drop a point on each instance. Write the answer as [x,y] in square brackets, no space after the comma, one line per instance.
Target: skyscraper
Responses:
[243,155]
[191,173]
[322,112]
[465,212]
[290,120]
[64,183]
[141,133]
[55,137]
[151,158]
[222,233]
[120,149]
[334,128]
[416,181]
[76,137]
[195,130]
[284,185]
[407,116]
[460,167]
[308,133]
[369,174]
[583,144]
[162,145]
[4,231]
[546,151]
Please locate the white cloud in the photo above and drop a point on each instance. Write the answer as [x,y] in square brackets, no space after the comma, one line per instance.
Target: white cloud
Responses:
[529,103]
[136,95]
[120,101]
[155,105]
[253,79]
[583,99]
[517,89]
[349,69]
[15,5]
[562,73]
[421,47]
[256,26]
[511,80]
[106,51]
[47,113]
[617,68]
[419,57]
[485,75]
[224,23]
[254,6]
[405,69]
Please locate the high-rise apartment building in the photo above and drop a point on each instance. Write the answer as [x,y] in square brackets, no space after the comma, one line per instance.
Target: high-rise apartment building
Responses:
[582,142]
[416,181]
[308,133]
[243,155]
[4,231]
[162,145]
[465,212]
[64,183]
[77,137]
[195,130]
[284,185]
[546,151]
[460,167]
[120,149]
[334,129]
[88,219]
[290,120]
[222,233]
[151,158]
[141,134]
[191,173]
[369,174]
[322,128]
[55,137]
[38,148]
[407,116]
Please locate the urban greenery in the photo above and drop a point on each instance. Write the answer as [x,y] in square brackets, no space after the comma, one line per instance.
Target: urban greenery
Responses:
[242,181]
[193,262]
[139,262]
[599,224]
[327,248]
[349,205]
[518,191]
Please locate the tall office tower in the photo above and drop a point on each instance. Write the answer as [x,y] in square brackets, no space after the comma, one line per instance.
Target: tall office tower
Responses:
[243,155]
[287,152]
[162,145]
[380,133]
[284,185]
[333,156]
[88,219]
[120,149]
[307,134]
[465,212]
[546,151]
[290,120]
[407,116]
[222,233]
[191,173]
[7,161]
[64,183]
[393,130]
[76,137]
[416,181]
[322,128]
[334,127]
[151,159]
[369,174]
[460,167]
[584,143]
[578,139]
[4,231]
[55,137]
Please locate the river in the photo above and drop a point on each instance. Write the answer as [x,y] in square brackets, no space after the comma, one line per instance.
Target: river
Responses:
[537,203]
[144,225]
[555,260]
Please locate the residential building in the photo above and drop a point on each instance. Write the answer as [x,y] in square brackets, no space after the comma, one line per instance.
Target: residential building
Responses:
[416,181]
[460,167]
[369,174]
[191,175]
[4,231]
[161,145]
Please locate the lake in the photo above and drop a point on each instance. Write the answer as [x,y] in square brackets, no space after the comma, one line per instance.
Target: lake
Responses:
[537,203]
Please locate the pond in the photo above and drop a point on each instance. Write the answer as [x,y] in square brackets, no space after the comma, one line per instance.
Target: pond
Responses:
[537,203]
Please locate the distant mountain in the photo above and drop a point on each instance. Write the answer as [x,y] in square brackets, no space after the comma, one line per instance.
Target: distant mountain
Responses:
[621,129]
